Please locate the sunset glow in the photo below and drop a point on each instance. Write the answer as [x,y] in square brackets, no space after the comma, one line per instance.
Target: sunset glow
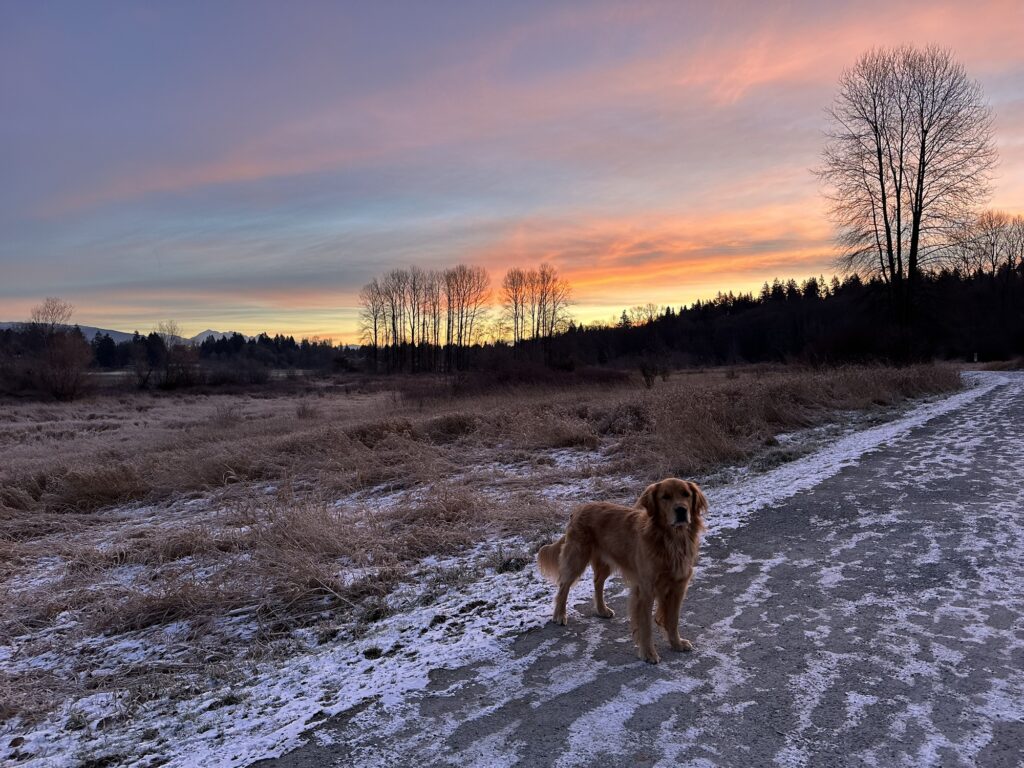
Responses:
[248,167]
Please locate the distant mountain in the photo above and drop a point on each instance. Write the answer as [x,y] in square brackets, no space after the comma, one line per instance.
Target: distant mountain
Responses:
[199,338]
[88,331]
[118,336]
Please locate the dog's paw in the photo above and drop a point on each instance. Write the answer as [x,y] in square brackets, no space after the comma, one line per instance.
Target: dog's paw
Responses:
[560,619]
[607,613]
[682,644]
[650,656]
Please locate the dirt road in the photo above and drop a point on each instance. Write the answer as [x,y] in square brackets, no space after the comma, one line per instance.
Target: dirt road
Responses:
[874,617]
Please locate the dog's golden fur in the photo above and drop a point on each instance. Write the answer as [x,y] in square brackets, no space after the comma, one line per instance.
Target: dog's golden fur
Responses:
[653,545]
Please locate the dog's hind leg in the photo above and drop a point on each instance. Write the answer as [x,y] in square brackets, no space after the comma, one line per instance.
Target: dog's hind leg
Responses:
[659,611]
[571,564]
[601,572]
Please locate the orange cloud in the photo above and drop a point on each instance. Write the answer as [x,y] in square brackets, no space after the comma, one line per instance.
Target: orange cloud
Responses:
[669,257]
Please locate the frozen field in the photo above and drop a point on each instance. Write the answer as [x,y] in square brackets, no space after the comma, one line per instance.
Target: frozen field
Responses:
[861,601]
[861,606]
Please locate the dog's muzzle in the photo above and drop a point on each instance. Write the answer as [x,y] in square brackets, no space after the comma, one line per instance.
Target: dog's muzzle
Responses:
[682,516]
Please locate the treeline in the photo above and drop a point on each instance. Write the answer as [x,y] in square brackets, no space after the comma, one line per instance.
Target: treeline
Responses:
[269,351]
[49,356]
[971,302]
[956,316]
[432,320]
[166,361]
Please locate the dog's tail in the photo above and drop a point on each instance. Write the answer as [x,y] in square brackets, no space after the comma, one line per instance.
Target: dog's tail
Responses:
[547,559]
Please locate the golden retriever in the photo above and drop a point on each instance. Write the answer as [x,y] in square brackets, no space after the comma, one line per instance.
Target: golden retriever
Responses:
[653,545]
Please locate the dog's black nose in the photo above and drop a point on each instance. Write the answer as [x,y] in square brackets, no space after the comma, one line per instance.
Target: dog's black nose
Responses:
[681,514]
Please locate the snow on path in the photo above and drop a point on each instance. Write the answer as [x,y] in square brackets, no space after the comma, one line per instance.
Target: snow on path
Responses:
[733,503]
[488,644]
[876,621]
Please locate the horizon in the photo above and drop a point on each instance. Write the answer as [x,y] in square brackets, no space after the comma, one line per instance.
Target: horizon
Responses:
[250,171]
[188,334]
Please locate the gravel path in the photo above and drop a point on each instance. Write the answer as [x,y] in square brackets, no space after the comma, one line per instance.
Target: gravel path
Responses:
[873,618]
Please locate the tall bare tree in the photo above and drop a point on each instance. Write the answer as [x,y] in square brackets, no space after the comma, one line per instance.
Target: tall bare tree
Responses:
[467,291]
[547,300]
[395,296]
[428,320]
[372,321]
[909,153]
[513,296]
[433,306]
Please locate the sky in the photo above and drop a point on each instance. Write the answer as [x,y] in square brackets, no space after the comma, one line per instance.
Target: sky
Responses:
[249,165]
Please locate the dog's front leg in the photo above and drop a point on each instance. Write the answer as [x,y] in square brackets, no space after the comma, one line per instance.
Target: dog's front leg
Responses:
[640,603]
[672,602]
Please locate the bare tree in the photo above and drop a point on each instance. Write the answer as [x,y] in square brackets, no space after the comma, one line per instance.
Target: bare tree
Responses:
[50,316]
[61,359]
[179,364]
[428,320]
[170,332]
[394,286]
[643,314]
[371,318]
[432,313]
[547,302]
[1015,243]
[991,237]
[534,310]
[467,291]
[478,297]
[988,243]
[909,153]
[513,294]
[963,252]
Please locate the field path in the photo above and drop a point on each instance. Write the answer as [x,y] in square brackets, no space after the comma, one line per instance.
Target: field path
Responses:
[871,614]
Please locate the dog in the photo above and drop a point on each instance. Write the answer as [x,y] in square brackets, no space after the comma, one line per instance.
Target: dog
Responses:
[653,545]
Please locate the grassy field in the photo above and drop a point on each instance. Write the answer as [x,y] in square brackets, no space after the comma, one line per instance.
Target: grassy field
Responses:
[212,531]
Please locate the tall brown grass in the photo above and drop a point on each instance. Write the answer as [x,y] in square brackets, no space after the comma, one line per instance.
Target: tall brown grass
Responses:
[268,539]
[78,458]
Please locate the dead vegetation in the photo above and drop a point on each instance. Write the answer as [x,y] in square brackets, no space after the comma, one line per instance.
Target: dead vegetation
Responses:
[83,457]
[242,520]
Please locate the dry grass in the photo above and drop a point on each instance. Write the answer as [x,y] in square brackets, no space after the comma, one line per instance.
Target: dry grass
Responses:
[1015,364]
[87,456]
[262,510]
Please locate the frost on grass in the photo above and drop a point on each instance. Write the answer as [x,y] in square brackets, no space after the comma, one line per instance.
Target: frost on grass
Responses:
[467,611]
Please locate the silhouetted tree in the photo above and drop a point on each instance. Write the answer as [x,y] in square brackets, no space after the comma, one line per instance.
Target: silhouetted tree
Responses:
[908,156]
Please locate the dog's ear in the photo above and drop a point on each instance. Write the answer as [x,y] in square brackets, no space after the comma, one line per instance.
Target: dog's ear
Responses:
[700,500]
[649,499]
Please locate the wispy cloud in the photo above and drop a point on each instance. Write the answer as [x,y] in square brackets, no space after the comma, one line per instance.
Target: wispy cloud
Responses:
[653,151]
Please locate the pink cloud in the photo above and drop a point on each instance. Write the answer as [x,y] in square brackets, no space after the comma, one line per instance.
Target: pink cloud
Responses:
[472,98]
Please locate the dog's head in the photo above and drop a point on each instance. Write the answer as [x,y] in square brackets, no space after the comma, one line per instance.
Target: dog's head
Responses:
[675,503]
